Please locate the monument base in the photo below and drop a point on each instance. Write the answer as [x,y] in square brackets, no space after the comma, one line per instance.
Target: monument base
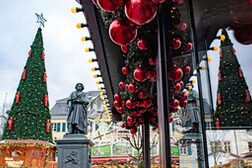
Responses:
[74,151]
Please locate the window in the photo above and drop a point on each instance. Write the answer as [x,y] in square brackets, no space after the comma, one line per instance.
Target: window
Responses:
[63,127]
[227,146]
[54,127]
[209,125]
[183,150]
[250,146]
[58,127]
[216,146]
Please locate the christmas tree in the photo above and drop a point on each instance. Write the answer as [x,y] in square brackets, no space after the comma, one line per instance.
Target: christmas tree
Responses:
[234,107]
[29,117]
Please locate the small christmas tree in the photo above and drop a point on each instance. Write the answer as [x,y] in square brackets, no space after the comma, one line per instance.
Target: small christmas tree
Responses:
[29,117]
[234,107]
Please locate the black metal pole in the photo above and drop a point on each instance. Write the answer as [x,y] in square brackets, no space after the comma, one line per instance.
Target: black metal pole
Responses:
[146,142]
[195,45]
[164,57]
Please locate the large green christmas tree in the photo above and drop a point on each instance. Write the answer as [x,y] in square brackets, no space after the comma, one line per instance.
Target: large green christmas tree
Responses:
[234,107]
[29,117]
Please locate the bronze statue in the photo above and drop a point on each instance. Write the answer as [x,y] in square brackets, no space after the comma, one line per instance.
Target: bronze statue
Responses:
[77,106]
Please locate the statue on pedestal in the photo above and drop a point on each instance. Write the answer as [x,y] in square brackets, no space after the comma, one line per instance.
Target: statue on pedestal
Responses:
[77,106]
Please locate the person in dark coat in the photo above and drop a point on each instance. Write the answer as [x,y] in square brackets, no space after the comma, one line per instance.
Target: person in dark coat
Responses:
[77,106]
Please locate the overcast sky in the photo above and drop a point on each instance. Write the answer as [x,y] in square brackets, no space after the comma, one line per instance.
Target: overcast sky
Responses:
[65,59]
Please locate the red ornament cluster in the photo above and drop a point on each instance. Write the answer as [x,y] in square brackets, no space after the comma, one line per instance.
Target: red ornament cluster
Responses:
[47,126]
[18,97]
[24,74]
[10,124]
[43,55]
[45,100]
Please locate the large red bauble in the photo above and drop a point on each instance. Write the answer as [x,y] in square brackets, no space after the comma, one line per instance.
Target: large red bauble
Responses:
[122,32]
[110,5]
[117,97]
[125,70]
[140,74]
[140,12]
[176,74]
[132,88]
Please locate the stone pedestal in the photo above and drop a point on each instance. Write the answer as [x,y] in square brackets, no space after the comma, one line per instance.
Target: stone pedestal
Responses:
[74,151]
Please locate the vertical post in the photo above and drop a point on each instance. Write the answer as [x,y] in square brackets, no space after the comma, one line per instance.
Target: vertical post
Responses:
[164,57]
[146,141]
[195,45]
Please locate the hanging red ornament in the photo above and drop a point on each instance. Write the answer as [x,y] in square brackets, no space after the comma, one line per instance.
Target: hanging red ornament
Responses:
[219,75]
[123,103]
[29,53]
[134,114]
[159,1]
[188,47]
[174,103]
[219,99]
[181,84]
[132,88]
[140,12]
[116,104]
[177,88]
[125,48]
[10,124]
[247,96]
[133,131]
[122,32]
[24,74]
[176,44]
[139,74]
[125,70]
[43,55]
[130,104]
[110,5]
[151,75]
[18,96]
[152,61]
[187,69]
[170,118]
[142,45]
[182,26]
[117,97]
[217,124]
[45,100]
[142,95]
[126,86]
[44,77]
[47,126]
[240,73]
[121,85]
[130,120]
[146,103]
[176,74]
[183,103]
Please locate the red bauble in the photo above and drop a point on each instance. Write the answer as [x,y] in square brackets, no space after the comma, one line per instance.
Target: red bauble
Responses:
[188,47]
[170,118]
[18,95]
[182,26]
[177,87]
[219,99]
[125,48]
[151,75]
[125,70]
[29,53]
[130,104]
[130,120]
[134,114]
[139,74]
[176,44]
[146,103]
[183,103]
[121,85]
[120,110]
[123,103]
[45,100]
[24,74]
[152,61]
[176,74]
[110,5]
[133,131]
[10,124]
[43,55]
[47,126]
[181,84]
[187,69]
[174,103]
[140,12]
[142,95]
[44,77]
[142,45]
[132,88]
[116,104]
[117,97]
[122,32]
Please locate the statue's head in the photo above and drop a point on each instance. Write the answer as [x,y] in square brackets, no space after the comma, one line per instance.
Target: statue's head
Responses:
[79,87]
